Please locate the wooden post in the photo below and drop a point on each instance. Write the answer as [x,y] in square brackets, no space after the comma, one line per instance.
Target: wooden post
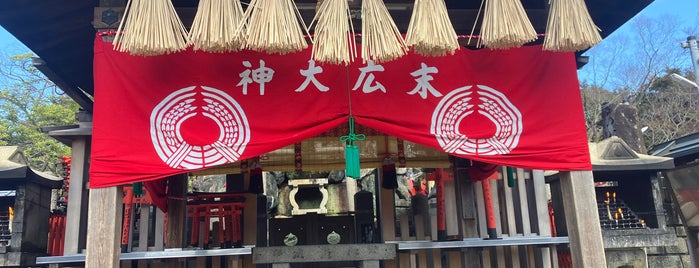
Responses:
[542,214]
[584,231]
[104,227]
[76,217]
[176,211]
[176,216]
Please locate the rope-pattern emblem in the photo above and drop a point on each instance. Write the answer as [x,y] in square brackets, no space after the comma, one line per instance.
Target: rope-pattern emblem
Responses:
[168,116]
[488,102]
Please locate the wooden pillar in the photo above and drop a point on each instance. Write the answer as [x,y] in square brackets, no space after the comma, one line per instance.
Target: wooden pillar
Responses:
[104,228]
[76,218]
[176,210]
[584,231]
[176,215]
[542,215]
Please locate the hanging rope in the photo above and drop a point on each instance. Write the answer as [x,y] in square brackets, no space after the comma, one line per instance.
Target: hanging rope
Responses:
[150,28]
[352,151]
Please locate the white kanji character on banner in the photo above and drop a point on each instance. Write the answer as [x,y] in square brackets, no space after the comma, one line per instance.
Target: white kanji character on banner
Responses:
[260,76]
[310,75]
[423,79]
[369,79]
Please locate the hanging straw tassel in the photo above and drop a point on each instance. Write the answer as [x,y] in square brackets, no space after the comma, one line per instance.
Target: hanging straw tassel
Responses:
[506,25]
[381,40]
[334,33]
[430,32]
[215,27]
[570,27]
[149,28]
[273,27]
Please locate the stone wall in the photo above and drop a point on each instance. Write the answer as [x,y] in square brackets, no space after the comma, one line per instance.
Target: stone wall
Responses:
[675,255]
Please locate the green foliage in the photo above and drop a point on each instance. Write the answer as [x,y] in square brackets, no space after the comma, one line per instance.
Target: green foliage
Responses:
[28,101]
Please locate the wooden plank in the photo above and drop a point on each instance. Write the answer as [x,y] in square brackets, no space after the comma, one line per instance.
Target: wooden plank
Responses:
[433,222]
[176,211]
[250,220]
[523,202]
[422,255]
[74,240]
[159,239]
[143,224]
[350,190]
[455,259]
[531,257]
[511,223]
[546,257]
[501,256]
[542,207]
[391,263]
[404,260]
[215,261]
[511,253]
[554,256]
[450,208]
[388,215]
[486,258]
[461,197]
[514,257]
[436,258]
[543,222]
[480,207]
[496,205]
[584,231]
[201,261]
[405,228]
[104,228]
[233,262]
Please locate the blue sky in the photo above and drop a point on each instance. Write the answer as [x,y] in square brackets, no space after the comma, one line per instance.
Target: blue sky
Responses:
[685,11]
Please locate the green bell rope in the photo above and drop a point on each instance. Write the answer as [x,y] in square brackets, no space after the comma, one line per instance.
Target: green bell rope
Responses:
[510,177]
[352,151]
[137,189]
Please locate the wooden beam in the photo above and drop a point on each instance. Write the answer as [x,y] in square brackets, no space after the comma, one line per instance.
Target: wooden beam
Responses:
[104,228]
[76,217]
[388,215]
[542,215]
[584,231]
[462,19]
[176,215]
[176,211]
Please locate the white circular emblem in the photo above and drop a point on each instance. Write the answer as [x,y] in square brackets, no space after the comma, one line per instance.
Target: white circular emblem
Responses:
[169,115]
[491,104]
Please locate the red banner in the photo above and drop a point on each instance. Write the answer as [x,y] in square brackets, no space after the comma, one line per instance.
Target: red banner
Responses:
[164,115]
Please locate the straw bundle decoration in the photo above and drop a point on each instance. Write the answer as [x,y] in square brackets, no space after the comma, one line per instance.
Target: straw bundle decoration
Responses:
[570,27]
[149,28]
[274,26]
[334,33]
[506,25]
[215,26]
[430,31]
[381,40]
